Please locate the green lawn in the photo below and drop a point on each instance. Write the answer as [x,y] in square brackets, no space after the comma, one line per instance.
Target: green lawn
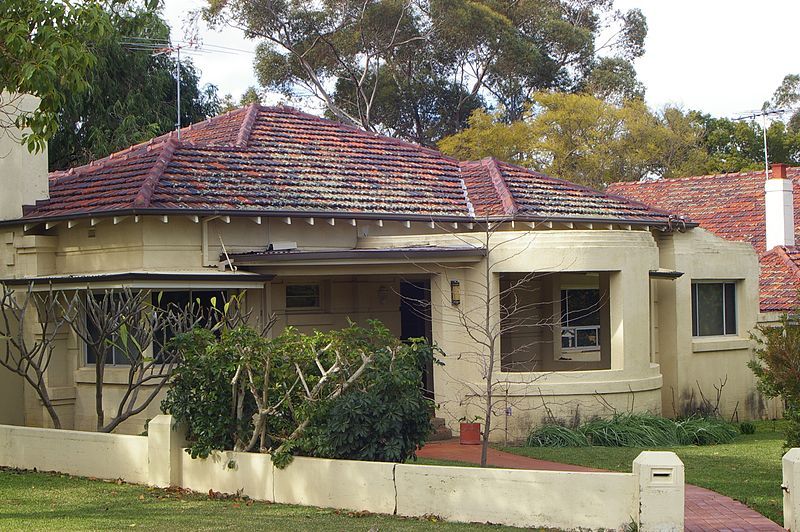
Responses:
[748,469]
[42,501]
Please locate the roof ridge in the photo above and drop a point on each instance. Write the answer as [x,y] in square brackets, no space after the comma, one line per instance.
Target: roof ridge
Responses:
[251,113]
[503,192]
[110,158]
[150,181]
[781,250]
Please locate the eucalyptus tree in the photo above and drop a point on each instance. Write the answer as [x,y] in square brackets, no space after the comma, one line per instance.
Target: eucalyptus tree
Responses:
[418,68]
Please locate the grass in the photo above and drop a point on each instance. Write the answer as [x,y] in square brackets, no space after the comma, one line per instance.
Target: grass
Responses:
[47,501]
[747,469]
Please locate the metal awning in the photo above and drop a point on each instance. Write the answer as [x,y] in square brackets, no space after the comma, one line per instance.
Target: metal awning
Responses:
[664,273]
[143,279]
[421,254]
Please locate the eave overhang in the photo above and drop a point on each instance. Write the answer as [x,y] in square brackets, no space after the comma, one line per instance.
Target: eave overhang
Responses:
[141,279]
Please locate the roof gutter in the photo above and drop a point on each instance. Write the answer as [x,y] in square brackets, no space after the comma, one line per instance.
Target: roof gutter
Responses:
[653,222]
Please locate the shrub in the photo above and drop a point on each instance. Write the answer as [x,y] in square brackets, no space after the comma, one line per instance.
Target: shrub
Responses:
[747,427]
[776,366]
[201,395]
[384,418]
[352,393]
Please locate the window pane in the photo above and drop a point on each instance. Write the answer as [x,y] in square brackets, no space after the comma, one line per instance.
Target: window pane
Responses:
[580,307]
[302,295]
[730,308]
[695,325]
[588,338]
[204,301]
[710,309]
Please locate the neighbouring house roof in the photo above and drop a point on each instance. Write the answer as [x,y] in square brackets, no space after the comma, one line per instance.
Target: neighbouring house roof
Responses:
[279,161]
[732,207]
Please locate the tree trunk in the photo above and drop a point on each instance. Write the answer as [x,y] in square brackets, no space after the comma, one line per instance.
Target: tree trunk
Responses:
[98,393]
[48,404]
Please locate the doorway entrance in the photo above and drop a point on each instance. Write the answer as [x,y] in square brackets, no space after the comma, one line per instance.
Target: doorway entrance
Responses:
[415,321]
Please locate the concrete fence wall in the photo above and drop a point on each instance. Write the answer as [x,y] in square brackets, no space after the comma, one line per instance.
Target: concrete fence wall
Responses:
[651,496]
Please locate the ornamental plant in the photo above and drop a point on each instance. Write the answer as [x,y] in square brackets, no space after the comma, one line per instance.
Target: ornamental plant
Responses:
[777,367]
[350,393]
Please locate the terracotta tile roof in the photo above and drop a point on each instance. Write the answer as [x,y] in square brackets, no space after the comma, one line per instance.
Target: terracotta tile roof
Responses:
[731,206]
[780,279]
[278,160]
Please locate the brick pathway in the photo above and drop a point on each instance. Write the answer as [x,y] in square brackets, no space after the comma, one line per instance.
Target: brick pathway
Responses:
[705,510]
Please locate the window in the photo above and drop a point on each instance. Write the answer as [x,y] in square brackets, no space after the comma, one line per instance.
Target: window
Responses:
[580,319]
[713,308]
[302,296]
[206,301]
[115,355]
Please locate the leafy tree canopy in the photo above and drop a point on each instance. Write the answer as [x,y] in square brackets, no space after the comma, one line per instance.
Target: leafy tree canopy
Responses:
[132,94]
[418,68]
[46,50]
[228,104]
[586,140]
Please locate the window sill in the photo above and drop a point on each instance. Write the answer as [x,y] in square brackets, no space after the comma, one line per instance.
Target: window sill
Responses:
[112,375]
[720,343]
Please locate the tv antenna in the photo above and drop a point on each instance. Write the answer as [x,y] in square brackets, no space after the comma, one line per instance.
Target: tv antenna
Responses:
[764,113]
[158,47]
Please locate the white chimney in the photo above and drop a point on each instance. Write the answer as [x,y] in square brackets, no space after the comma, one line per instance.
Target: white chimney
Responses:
[779,204]
[23,175]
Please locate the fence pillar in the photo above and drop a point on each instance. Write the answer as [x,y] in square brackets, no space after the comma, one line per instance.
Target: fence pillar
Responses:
[791,489]
[661,491]
[165,443]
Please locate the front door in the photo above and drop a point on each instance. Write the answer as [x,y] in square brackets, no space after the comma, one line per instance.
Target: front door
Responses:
[415,321]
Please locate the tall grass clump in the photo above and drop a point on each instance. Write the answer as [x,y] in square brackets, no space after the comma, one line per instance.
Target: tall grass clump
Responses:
[631,430]
[705,431]
[552,435]
[635,430]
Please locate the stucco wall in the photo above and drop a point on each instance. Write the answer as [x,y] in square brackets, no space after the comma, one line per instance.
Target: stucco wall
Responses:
[691,365]
[639,348]
[108,456]
[564,500]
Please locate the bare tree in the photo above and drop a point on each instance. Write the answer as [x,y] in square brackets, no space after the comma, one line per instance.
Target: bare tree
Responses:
[30,358]
[494,307]
[124,327]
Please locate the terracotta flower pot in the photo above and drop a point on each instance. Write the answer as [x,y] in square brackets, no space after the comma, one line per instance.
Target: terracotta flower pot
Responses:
[470,434]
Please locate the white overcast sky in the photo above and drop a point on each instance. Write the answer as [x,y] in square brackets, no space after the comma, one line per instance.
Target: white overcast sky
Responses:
[724,57]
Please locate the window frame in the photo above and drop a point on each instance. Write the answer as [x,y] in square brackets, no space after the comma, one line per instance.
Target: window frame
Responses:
[150,349]
[564,293]
[286,297]
[695,307]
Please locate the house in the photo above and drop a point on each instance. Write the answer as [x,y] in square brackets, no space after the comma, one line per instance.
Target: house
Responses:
[743,207]
[587,296]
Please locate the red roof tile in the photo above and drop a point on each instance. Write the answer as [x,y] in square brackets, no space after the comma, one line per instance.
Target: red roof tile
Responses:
[780,279]
[279,160]
[732,207]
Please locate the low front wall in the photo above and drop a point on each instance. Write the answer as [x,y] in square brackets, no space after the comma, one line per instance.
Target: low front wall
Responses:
[565,500]
[88,454]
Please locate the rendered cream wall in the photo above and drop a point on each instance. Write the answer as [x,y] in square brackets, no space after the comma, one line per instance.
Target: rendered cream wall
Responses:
[625,256]
[632,382]
[694,364]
